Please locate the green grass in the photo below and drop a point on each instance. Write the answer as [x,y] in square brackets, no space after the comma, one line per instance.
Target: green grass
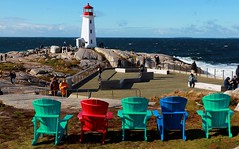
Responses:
[17,129]
[159,86]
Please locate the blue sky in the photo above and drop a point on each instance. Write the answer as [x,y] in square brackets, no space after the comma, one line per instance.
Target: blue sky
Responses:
[121,18]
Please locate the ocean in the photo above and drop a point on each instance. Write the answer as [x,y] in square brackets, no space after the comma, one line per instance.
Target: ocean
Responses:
[209,53]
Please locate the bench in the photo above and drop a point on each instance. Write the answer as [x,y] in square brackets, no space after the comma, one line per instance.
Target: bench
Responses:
[125,70]
[209,86]
[158,71]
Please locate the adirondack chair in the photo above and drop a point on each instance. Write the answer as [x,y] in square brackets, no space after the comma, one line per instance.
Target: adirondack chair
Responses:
[94,117]
[134,114]
[216,112]
[47,119]
[173,115]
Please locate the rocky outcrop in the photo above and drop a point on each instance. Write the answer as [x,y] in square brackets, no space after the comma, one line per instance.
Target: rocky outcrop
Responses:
[89,54]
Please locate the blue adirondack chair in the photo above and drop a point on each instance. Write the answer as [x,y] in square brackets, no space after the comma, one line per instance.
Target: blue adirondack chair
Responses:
[134,114]
[173,115]
[217,113]
[47,119]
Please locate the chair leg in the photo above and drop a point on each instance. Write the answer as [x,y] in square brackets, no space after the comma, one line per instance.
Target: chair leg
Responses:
[123,134]
[145,134]
[161,130]
[103,137]
[81,136]
[36,136]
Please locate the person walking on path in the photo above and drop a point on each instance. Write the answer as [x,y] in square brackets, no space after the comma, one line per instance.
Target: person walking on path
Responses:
[100,70]
[54,86]
[191,80]
[194,68]
[12,76]
[63,86]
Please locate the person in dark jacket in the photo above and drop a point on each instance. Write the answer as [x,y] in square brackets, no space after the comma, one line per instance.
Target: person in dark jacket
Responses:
[237,72]
[194,68]
[228,83]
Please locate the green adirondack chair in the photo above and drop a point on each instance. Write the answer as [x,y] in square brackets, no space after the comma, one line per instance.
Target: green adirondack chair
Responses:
[47,119]
[134,114]
[217,113]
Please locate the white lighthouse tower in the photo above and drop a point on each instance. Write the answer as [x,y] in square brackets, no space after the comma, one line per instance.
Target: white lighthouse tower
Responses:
[88,28]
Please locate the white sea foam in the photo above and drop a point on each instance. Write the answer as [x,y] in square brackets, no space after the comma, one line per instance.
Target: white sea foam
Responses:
[214,69]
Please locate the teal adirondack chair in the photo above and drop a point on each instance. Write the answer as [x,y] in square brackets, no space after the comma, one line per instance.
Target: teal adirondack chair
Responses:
[217,113]
[134,114]
[47,119]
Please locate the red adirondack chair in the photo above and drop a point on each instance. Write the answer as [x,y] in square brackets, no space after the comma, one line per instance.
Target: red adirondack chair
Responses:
[94,117]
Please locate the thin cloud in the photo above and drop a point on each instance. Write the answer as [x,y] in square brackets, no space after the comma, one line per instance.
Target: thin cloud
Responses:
[21,27]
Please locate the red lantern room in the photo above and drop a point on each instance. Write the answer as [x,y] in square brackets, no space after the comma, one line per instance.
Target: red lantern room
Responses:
[88,10]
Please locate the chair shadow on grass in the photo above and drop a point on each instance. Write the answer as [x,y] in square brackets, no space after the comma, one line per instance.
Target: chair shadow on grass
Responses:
[138,135]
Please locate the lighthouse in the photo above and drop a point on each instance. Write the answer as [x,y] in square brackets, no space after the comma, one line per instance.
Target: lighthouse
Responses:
[88,39]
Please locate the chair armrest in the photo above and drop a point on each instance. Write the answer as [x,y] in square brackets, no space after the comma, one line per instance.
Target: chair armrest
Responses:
[148,114]
[67,117]
[109,115]
[186,114]
[120,113]
[46,116]
[79,115]
[231,112]
[200,112]
[157,114]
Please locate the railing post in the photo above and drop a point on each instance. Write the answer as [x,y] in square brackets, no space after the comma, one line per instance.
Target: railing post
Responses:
[207,72]
[222,74]
[215,73]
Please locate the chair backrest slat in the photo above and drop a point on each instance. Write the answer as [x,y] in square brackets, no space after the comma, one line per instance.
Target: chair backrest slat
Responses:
[172,104]
[45,106]
[131,105]
[216,102]
[97,107]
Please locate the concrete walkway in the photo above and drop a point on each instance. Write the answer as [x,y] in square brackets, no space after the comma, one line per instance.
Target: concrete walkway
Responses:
[24,101]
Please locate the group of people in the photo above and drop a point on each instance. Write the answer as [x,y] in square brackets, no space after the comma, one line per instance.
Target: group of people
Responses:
[55,86]
[231,84]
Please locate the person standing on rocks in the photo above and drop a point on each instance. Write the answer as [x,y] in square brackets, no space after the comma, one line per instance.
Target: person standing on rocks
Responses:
[194,68]
[237,72]
[5,57]
[119,63]
[63,86]
[157,61]
[54,86]
[1,58]
[12,76]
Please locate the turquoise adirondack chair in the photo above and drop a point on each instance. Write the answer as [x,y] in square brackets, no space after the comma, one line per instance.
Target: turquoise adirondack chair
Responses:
[134,114]
[217,113]
[47,119]
[173,115]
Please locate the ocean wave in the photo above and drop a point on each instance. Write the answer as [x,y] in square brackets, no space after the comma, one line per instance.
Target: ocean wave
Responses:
[220,69]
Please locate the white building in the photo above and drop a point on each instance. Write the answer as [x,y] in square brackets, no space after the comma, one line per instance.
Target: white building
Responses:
[88,39]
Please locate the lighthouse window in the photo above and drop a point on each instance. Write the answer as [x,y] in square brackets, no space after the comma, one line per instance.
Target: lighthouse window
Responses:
[90,21]
[91,31]
[91,41]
